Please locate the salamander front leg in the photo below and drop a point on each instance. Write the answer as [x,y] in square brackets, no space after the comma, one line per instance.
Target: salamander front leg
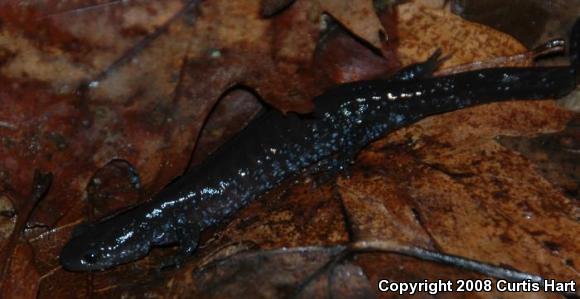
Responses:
[421,70]
[187,232]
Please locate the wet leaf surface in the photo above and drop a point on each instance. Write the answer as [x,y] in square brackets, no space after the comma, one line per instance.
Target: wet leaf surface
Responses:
[117,98]
[457,193]
[554,155]
[544,19]
[21,269]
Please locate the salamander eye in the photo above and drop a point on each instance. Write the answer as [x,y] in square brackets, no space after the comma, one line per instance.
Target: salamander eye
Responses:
[90,257]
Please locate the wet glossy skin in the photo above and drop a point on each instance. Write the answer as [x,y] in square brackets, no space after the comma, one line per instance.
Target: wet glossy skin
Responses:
[275,146]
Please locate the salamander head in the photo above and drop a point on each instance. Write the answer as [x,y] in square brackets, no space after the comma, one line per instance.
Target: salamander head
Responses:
[110,243]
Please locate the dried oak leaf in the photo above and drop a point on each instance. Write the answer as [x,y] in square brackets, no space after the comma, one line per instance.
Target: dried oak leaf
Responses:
[23,279]
[84,84]
[444,184]
[359,17]
[281,272]
[151,86]
[556,155]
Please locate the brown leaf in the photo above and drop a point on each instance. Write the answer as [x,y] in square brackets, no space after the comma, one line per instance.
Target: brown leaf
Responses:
[22,276]
[284,273]
[359,17]
[422,30]
[232,112]
[555,155]
[113,187]
[7,218]
[270,7]
[457,186]
[91,89]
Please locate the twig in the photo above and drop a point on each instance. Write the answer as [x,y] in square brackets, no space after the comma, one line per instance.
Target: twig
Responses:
[40,185]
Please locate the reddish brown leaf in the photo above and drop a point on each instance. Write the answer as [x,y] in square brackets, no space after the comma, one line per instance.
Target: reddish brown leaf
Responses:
[90,90]
[359,17]
[22,276]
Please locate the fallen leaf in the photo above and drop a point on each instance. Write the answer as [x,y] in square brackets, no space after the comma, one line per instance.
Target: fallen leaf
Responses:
[359,17]
[118,98]
[21,269]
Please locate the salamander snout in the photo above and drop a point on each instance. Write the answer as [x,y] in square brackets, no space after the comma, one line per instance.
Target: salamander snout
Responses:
[99,249]
[80,256]
[89,251]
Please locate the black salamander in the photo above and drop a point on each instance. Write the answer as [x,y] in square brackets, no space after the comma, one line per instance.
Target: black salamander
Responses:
[275,146]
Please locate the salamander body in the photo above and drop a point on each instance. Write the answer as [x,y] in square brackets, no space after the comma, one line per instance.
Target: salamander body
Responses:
[275,146]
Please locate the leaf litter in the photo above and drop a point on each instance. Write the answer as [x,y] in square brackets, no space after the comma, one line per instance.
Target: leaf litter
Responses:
[85,85]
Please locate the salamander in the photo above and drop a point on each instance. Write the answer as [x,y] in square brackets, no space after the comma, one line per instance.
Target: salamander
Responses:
[274,146]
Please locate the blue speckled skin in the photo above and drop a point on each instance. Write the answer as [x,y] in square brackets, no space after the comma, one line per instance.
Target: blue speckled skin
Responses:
[275,146]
